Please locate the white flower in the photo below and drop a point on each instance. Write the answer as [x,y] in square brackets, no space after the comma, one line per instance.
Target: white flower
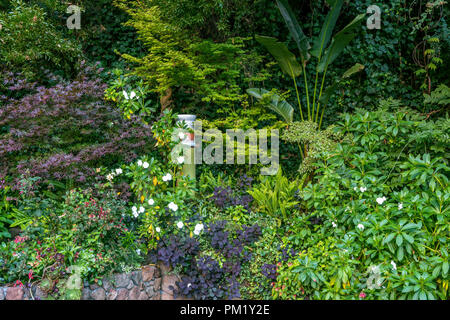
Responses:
[381,200]
[110,177]
[198,228]
[125,94]
[140,163]
[180,160]
[180,224]
[141,209]
[167,177]
[394,265]
[181,136]
[334,224]
[360,227]
[355,188]
[189,285]
[362,189]
[173,206]
[119,171]
[158,229]
[135,213]
[132,95]
[138,251]
[151,202]
[145,165]
[400,206]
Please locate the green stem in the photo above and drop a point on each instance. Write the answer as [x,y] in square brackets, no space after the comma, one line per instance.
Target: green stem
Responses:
[321,117]
[320,94]
[296,90]
[306,88]
[315,90]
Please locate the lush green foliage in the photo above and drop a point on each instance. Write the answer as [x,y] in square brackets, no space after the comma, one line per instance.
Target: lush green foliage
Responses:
[92,181]
[82,231]
[381,209]
[30,42]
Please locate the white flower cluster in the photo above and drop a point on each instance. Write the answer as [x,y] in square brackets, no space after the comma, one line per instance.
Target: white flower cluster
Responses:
[380,200]
[145,165]
[131,96]
[111,176]
[172,206]
[362,189]
[198,228]
[167,177]
[135,211]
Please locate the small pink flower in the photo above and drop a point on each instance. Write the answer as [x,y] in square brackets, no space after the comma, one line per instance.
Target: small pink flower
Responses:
[362,295]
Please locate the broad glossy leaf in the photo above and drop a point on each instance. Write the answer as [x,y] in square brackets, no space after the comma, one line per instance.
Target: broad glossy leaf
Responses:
[330,90]
[294,28]
[281,53]
[339,42]
[276,104]
[323,39]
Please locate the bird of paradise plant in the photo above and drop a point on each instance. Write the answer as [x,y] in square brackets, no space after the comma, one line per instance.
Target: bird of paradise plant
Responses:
[291,67]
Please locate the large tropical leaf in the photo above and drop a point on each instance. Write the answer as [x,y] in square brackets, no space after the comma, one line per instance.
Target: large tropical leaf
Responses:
[322,40]
[275,103]
[294,28]
[339,42]
[281,53]
[329,91]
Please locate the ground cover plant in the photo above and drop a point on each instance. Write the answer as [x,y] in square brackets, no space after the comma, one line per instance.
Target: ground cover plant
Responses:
[93,181]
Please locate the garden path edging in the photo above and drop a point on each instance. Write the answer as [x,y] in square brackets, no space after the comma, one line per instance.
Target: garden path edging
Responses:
[151,282]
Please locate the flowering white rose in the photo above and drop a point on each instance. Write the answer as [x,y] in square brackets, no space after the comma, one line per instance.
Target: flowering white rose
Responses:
[145,165]
[141,209]
[140,163]
[334,224]
[172,206]
[381,200]
[362,189]
[110,177]
[198,228]
[180,224]
[134,209]
[151,202]
[167,177]
[158,229]
[361,227]
[180,160]
[119,171]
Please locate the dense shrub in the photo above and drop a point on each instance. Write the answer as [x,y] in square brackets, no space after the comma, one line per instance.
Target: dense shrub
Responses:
[29,41]
[82,234]
[382,203]
[210,270]
[64,132]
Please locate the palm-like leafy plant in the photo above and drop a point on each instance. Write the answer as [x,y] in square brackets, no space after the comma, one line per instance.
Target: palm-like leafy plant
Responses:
[325,57]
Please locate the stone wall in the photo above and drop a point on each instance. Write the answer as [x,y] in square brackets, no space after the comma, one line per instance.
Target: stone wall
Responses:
[152,282]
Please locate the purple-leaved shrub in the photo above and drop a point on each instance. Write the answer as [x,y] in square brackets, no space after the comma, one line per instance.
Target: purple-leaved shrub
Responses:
[65,131]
